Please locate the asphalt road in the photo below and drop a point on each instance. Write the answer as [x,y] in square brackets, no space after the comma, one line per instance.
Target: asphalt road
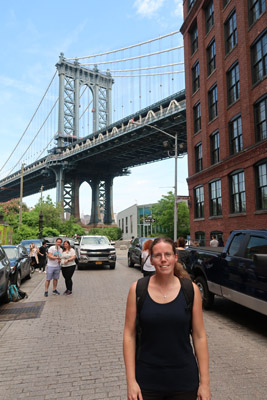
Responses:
[73,349]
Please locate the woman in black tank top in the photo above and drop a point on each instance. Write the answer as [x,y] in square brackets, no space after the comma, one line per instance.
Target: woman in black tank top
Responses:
[166,368]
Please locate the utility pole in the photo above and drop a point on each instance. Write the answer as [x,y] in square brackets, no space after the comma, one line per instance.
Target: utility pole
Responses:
[41,216]
[21,194]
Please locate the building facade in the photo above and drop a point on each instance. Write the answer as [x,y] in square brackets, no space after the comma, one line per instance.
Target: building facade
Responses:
[132,221]
[225,45]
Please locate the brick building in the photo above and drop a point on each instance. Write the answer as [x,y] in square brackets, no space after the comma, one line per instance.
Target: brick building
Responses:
[225,44]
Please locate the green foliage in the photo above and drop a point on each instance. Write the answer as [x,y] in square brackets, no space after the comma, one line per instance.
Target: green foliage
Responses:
[69,228]
[113,233]
[163,212]
[24,232]
[52,232]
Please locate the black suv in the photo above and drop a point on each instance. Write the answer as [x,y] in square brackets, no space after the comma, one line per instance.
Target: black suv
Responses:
[135,251]
[4,275]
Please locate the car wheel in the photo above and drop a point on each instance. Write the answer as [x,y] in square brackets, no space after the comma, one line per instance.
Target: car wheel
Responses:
[30,273]
[130,263]
[112,266]
[207,296]
[19,279]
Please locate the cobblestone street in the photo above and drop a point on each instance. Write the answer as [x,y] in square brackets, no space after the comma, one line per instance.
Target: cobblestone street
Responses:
[74,349]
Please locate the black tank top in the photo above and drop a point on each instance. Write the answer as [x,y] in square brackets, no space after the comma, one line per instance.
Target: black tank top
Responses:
[166,361]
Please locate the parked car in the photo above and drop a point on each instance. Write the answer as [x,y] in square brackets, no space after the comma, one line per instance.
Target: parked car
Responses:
[4,275]
[27,243]
[96,250]
[237,272]
[20,263]
[135,251]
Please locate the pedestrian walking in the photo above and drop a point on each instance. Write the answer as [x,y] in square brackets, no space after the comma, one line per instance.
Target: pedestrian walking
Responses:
[166,367]
[42,256]
[34,256]
[147,267]
[68,265]
[53,267]
[214,242]
[183,255]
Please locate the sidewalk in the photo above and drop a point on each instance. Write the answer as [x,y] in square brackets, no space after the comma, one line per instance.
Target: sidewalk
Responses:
[74,350]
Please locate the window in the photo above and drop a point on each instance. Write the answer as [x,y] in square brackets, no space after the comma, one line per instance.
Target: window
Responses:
[122,227]
[233,86]
[238,194]
[215,147]
[215,198]
[255,9]
[235,244]
[126,224]
[260,115]
[211,57]
[209,16]
[230,32]
[190,4]
[236,137]
[225,2]
[200,238]
[256,245]
[198,157]
[195,77]
[199,202]
[213,102]
[259,58]
[262,186]
[131,223]
[194,39]
[197,117]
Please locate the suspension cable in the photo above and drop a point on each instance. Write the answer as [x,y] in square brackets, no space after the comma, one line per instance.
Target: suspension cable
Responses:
[157,73]
[39,130]
[29,122]
[145,68]
[134,58]
[123,48]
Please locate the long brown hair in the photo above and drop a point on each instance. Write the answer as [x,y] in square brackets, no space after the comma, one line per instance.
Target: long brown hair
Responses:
[147,245]
[179,271]
[69,247]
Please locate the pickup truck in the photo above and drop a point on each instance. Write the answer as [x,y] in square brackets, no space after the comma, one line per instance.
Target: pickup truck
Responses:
[96,250]
[237,272]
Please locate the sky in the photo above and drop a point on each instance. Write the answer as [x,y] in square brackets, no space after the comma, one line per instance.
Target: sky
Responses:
[33,34]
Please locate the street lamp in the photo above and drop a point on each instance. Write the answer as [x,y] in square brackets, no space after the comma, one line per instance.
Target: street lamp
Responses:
[175,137]
[21,194]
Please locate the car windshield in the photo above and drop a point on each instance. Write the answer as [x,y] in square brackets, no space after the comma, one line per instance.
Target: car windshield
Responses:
[95,240]
[27,243]
[11,252]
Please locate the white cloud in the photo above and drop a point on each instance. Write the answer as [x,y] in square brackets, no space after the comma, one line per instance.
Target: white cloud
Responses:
[178,8]
[147,8]
[141,182]
[18,85]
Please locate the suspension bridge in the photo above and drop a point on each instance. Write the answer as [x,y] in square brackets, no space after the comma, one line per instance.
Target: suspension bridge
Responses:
[71,137]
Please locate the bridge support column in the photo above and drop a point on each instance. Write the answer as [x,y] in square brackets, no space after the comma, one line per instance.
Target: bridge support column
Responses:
[71,198]
[59,185]
[102,201]
[108,214]
[95,210]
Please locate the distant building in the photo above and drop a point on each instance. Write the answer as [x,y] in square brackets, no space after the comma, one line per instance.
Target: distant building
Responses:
[225,45]
[134,220]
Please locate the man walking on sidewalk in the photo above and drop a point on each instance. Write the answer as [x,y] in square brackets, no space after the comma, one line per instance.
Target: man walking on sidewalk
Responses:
[53,267]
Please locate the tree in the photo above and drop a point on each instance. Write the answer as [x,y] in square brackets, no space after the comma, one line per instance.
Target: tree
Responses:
[163,213]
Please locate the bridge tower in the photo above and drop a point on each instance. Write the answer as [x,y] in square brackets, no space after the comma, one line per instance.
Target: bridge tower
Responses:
[72,77]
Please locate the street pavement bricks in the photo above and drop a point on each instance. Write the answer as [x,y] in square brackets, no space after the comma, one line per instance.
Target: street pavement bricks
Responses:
[74,350]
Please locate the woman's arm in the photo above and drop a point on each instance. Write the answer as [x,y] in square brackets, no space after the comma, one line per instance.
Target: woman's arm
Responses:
[200,346]
[129,346]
